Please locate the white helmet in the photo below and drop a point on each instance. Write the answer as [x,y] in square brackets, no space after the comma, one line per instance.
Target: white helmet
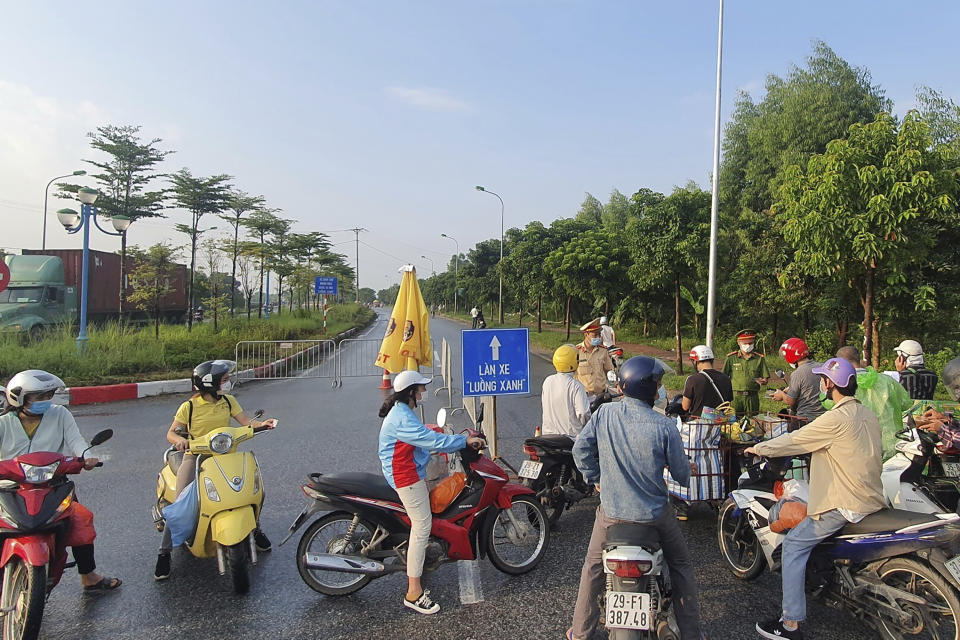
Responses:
[30,381]
[604,320]
[408,378]
[701,353]
[911,351]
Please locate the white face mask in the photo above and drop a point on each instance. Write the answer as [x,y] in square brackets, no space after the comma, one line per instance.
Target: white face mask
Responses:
[225,386]
[746,348]
[661,400]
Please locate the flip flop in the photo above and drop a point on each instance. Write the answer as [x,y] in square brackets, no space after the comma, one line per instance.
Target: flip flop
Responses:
[105,584]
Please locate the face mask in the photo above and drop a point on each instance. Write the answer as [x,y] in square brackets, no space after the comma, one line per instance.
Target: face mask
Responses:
[226,386]
[746,348]
[595,342]
[39,407]
[793,365]
[661,397]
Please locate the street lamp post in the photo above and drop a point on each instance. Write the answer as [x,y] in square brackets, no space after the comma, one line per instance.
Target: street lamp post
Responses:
[46,192]
[456,270]
[499,265]
[74,222]
[433,270]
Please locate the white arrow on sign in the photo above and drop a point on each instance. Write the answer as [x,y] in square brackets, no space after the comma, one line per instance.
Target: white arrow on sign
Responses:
[495,348]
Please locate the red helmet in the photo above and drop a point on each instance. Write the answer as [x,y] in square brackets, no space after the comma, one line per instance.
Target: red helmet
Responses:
[794,350]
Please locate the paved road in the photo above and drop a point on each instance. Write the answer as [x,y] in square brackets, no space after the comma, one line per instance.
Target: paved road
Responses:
[323,429]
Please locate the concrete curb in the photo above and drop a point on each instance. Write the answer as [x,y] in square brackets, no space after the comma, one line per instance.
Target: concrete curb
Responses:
[136,390]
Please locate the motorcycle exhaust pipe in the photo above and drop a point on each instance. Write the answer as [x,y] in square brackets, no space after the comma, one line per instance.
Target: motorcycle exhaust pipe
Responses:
[347,564]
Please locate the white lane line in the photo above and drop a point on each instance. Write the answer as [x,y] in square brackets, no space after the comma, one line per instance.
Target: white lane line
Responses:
[471,589]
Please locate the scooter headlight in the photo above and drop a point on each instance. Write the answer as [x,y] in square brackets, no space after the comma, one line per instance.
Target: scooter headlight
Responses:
[36,474]
[211,490]
[221,443]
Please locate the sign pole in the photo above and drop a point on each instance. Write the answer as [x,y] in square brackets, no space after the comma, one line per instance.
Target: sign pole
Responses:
[324,313]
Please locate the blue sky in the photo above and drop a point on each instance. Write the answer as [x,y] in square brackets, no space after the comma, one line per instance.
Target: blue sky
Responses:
[386,114]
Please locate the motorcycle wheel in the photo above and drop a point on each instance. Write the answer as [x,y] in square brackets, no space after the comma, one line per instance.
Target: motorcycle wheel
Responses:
[238,562]
[940,620]
[738,544]
[327,535]
[517,552]
[25,601]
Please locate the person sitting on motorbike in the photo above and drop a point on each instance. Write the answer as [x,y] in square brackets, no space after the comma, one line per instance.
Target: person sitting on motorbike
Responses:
[210,408]
[707,387]
[594,362]
[919,381]
[404,448]
[847,455]
[882,395]
[634,490]
[607,335]
[802,395]
[945,425]
[564,400]
[31,422]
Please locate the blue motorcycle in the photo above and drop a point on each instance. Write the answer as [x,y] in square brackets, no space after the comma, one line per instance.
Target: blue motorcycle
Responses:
[898,571]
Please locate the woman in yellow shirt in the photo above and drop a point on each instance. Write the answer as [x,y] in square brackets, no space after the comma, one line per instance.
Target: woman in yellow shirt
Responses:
[211,408]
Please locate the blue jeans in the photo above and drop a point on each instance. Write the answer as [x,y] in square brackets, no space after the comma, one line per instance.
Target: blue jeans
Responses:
[796,549]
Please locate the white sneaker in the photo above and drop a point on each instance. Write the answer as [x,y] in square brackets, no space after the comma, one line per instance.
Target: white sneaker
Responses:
[423,604]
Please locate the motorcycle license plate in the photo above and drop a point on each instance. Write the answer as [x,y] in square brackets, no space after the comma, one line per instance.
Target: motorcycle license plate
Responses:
[627,610]
[953,566]
[951,469]
[530,469]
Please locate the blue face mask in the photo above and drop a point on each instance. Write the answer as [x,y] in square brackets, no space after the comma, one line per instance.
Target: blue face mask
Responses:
[39,407]
[595,342]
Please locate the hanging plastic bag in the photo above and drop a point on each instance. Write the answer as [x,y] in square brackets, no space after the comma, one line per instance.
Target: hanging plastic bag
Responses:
[789,515]
[446,492]
[796,490]
[183,514]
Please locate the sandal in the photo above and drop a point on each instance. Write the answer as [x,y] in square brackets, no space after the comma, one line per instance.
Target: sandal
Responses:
[105,584]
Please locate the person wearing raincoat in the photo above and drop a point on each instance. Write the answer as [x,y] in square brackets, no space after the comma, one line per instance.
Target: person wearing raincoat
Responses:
[881,394]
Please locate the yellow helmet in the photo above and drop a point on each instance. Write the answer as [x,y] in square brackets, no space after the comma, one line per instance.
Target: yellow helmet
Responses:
[566,358]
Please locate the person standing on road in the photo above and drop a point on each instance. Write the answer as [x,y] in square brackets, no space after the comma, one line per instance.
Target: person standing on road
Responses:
[474,312]
[633,490]
[404,448]
[707,387]
[802,395]
[563,398]
[31,422]
[882,395]
[211,408]
[747,371]
[919,381]
[594,361]
[845,486]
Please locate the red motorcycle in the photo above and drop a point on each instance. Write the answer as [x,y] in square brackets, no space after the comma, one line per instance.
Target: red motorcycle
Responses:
[365,535]
[36,504]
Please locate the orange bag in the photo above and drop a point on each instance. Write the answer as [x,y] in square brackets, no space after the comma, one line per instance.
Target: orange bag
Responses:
[80,531]
[447,491]
[792,512]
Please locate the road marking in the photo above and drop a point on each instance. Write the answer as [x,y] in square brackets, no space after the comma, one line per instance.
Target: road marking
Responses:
[471,589]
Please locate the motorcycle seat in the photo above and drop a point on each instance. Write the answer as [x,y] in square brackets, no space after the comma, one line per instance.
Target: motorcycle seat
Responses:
[886,520]
[551,442]
[174,459]
[367,485]
[632,534]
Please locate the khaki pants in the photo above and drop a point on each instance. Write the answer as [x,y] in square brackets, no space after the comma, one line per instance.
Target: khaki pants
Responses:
[416,500]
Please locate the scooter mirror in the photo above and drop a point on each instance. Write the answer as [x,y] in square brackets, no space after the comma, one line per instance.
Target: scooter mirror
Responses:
[442,418]
[480,415]
[258,414]
[781,373]
[101,437]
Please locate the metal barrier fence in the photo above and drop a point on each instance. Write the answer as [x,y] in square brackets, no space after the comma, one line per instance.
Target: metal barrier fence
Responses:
[279,359]
[356,358]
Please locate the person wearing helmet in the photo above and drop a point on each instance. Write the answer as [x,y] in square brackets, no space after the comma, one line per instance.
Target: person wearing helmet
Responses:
[607,336]
[32,422]
[802,394]
[747,371]
[564,400]
[404,447]
[847,454]
[633,489]
[881,394]
[210,408]
[594,362]
[944,424]
[919,381]
[707,387]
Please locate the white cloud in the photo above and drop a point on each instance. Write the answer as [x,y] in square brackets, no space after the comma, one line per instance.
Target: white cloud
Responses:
[428,98]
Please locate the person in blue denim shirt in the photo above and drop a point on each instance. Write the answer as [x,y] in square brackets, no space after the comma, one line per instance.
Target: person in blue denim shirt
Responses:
[625,447]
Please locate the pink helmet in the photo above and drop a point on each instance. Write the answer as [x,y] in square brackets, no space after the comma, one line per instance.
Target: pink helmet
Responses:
[840,371]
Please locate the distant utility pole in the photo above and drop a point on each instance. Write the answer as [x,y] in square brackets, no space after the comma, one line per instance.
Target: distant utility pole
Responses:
[356,232]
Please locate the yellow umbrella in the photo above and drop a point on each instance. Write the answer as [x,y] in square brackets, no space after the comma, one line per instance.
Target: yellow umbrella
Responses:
[406,344]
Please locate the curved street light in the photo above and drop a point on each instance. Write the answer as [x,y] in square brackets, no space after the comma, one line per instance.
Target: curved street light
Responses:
[456,269]
[433,270]
[499,265]
[46,193]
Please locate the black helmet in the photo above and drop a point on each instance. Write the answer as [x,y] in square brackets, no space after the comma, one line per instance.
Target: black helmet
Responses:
[951,377]
[640,378]
[208,375]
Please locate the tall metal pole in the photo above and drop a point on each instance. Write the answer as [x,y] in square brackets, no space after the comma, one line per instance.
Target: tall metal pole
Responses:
[715,202]
[84,276]
[500,264]
[456,270]
[356,232]
[46,193]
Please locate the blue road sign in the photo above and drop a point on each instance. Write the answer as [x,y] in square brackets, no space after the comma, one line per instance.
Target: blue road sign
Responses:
[496,362]
[325,285]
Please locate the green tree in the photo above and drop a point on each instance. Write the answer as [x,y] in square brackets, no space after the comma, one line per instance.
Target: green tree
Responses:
[260,224]
[238,203]
[868,208]
[199,196]
[151,279]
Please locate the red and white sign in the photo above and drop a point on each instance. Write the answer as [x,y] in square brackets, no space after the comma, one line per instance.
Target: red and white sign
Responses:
[4,275]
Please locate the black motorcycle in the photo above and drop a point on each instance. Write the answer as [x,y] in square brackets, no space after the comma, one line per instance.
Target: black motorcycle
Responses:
[551,472]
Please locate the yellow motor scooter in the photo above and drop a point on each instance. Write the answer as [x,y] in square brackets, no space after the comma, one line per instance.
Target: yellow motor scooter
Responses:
[230,492]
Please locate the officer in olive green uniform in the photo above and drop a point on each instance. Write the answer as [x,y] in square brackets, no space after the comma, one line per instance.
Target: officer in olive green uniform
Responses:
[747,371]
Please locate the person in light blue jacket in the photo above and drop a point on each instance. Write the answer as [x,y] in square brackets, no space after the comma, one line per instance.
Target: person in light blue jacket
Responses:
[624,448]
[405,447]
